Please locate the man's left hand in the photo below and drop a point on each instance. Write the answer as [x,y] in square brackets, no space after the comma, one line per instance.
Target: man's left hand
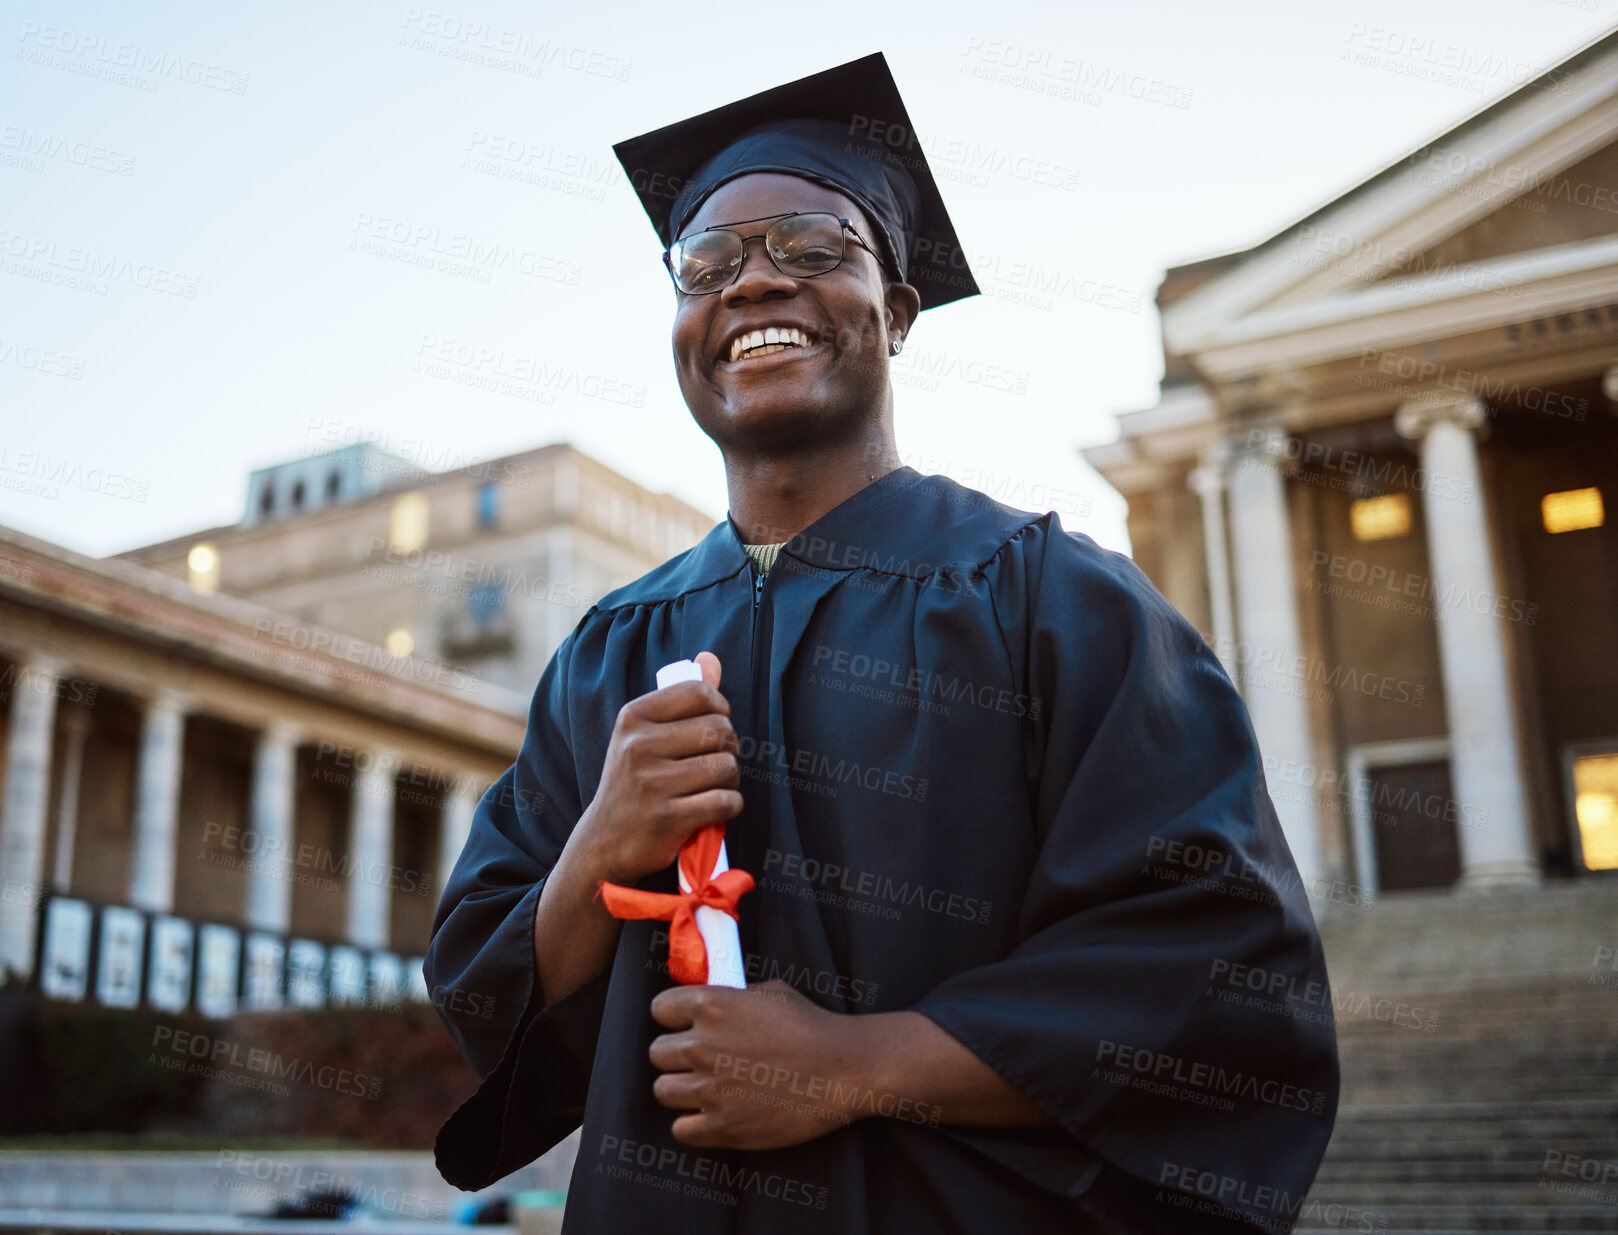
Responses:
[761,1068]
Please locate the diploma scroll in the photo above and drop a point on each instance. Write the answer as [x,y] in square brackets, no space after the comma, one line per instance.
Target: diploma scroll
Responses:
[705,946]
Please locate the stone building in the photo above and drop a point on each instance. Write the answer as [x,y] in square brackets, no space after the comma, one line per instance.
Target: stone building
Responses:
[209,803]
[238,766]
[486,566]
[1378,479]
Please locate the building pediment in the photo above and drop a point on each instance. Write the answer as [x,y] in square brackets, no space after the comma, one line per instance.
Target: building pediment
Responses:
[1487,224]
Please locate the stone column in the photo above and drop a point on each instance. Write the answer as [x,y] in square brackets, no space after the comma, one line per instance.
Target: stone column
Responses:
[1499,849]
[157,802]
[76,723]
[22,810]
[1208,482]
[1270,652]
[269,886]
[371,848]
[455,825]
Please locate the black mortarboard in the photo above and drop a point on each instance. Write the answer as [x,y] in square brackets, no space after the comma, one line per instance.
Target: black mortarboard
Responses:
[845,128]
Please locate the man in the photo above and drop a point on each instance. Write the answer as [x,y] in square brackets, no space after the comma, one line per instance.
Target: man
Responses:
[1003,806]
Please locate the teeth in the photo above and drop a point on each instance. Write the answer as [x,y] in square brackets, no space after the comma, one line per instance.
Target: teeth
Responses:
[771,338]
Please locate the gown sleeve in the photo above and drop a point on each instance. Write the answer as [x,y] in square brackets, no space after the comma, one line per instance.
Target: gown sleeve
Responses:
[1159,860]
[535,1060]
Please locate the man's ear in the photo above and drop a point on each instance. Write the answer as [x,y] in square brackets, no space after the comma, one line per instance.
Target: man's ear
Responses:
[903,304]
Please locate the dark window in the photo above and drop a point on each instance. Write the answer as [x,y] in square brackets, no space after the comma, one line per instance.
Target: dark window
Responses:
[297,495]
[487,504]
[266,500]
[333,483]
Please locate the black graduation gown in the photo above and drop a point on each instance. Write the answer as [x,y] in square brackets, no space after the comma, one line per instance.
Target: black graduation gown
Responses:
[991,775]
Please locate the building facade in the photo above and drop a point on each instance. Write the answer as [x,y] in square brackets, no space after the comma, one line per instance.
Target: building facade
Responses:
[487,567]
[1380,480]
[207,803]
[238,766]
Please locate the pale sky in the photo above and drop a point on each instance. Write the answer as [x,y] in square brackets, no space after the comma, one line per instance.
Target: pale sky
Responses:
[221,226]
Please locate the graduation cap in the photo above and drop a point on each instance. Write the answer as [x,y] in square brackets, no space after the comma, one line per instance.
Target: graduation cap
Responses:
[845,128]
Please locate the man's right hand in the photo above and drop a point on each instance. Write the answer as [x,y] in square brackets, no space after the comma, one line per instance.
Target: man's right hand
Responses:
[671,769]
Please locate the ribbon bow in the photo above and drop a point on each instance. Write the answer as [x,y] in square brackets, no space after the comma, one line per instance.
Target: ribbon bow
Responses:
[688,957]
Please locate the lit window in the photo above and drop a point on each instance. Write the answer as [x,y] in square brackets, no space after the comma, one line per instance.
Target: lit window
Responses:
[202,568]
[1595,804]
[487,504]
[400,642]
[407,523]
[1380,518]
[1572,510]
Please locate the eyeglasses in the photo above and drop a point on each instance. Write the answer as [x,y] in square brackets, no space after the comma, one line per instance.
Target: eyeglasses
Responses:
[802,244]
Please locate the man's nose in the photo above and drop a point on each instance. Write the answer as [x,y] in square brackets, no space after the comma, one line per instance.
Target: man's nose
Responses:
[758,276]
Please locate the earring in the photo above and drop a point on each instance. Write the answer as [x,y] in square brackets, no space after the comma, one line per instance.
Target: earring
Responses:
[896,346]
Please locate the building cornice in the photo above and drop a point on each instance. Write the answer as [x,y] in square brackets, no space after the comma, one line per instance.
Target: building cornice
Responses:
[241,637]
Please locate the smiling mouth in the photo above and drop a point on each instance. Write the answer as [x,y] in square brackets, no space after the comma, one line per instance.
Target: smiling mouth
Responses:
[772,339]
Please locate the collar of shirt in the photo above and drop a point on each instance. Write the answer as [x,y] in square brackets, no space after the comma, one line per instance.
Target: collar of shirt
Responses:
[763,556]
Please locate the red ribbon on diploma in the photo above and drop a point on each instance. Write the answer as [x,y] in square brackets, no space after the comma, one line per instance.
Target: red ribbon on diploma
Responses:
[688,957]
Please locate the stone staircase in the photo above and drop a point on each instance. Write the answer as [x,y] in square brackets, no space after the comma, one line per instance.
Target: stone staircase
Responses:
[1479,1040]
